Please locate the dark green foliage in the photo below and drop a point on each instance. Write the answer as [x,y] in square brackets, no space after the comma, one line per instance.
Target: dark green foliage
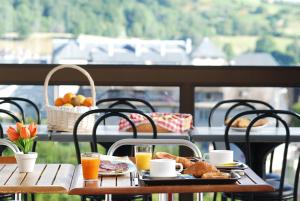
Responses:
[227,48]
[265,44]
[163,19]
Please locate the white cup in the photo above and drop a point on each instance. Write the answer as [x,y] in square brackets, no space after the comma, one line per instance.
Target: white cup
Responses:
[218,157]
[164,168]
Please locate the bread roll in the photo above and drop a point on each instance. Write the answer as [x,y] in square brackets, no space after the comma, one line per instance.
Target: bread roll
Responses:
[200,168]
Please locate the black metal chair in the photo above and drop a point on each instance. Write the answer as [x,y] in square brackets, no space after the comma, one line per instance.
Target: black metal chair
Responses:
[129,102]
[282,191]
[124,102]
[2,148]
[235,104]
[250,104]
[106,114]
[15,101]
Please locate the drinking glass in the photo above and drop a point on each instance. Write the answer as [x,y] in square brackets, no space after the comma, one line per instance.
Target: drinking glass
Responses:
[143,155]
[90,165]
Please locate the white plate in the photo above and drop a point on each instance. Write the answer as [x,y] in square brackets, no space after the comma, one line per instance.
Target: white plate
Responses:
[116,160]
[256,128]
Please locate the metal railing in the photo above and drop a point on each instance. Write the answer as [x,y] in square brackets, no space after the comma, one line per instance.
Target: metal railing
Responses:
[184,77]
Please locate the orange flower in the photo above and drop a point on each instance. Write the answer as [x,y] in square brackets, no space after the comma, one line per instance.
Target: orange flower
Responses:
[19,126]
[13,135]
[24,132]
[32,129]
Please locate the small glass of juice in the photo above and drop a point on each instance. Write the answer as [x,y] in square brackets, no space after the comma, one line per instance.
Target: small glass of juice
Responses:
[143,155]
[90,165]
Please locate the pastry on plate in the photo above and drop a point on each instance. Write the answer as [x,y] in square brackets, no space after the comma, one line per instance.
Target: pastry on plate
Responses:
[200,168]
[242,122]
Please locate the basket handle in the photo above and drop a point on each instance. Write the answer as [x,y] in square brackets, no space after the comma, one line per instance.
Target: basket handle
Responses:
[84,72]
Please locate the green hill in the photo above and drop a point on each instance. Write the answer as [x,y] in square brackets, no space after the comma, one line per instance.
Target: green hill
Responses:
[159,19]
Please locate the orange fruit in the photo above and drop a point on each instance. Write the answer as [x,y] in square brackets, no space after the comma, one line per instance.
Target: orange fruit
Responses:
[67,105]
[81,98]
[67,97]
[59,102]
[75,101]
[88,102]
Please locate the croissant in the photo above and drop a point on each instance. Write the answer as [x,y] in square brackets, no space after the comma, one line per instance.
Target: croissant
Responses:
[216,175]
[200,168]
[184,161]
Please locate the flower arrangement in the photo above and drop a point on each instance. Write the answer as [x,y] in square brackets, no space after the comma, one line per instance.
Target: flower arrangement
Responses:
[23,136]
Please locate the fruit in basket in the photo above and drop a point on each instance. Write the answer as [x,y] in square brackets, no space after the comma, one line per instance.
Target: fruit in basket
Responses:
[59,102]
[68,97]
[67,105]
[81,98]
[75,101]
[88,102]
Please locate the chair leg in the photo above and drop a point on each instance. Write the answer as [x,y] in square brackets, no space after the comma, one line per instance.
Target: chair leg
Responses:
[147,197]
[223,197]
[215,197]
[32,197]
[232,197]
[25,197]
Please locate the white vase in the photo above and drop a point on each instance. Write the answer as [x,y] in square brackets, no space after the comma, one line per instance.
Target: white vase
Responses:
[26,162]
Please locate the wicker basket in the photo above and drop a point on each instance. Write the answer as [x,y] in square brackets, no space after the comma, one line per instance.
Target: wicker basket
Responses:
[64,118]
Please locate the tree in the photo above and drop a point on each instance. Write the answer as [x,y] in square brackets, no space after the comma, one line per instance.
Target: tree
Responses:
[227,48]
[265,44]
[294,50]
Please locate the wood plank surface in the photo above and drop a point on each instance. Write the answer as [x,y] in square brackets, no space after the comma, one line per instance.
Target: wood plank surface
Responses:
[48,176]
[16,178]
[124,180]
[32,178]
[108,181]
[6,173]
[64,176]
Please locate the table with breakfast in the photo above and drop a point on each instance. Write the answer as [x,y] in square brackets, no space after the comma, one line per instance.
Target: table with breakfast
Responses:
[119,175]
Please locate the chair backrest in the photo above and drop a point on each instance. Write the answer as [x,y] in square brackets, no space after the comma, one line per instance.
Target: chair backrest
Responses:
[15,101]
[129,102]
[267,114]
[106,113]
[13,116]
[13,147]
[249,103]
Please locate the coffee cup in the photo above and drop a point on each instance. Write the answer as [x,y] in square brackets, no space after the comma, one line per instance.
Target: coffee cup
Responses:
[218,157]
[164,168]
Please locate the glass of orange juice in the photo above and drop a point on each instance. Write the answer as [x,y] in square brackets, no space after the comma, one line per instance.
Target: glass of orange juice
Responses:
[143,155]
[90,165]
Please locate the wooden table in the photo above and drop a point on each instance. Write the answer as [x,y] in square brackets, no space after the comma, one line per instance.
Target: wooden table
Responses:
[67,179]
[46,178]
[125,185]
